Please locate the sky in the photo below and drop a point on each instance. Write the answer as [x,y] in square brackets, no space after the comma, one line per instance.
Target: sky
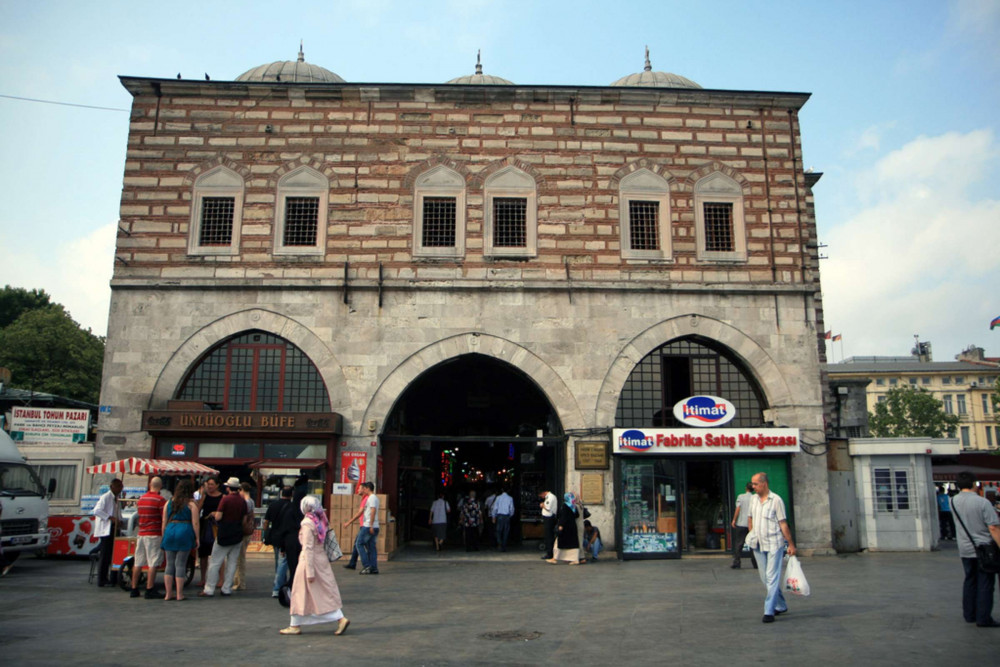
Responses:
[902,122]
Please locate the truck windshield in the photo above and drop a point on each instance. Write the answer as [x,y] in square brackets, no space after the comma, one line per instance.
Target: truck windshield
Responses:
[17,479]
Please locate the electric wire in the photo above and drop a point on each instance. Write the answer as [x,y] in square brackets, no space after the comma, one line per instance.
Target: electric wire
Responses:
[65,104]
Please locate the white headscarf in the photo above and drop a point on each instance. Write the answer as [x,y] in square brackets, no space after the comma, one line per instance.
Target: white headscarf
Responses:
[312,508]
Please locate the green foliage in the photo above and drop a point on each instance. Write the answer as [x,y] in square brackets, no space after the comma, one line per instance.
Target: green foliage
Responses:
[15,301]
[47,351]
[995,399]
[910,412]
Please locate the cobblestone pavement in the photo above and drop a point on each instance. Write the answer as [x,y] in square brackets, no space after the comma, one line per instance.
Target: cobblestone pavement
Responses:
[491,609]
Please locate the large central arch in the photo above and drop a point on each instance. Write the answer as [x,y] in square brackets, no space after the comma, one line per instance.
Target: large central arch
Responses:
[547,380]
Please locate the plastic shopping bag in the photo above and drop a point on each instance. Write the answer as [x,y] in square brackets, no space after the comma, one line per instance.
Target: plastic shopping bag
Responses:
[795,580]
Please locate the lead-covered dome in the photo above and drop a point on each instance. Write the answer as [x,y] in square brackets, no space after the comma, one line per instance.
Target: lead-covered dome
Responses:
[480,79]
[290,71]
[650,79]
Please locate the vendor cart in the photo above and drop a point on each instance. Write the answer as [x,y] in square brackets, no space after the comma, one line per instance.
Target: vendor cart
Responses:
[123,555]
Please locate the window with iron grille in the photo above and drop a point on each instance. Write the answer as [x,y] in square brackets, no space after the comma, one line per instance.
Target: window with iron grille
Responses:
[892,490]
[216,221]
[680,369]
[719,227]
[439,222]
[510,220]
[301,221]
[643,221]
[257,371]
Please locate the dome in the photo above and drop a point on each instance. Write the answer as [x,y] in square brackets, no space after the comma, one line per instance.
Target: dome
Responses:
[650,79]
[480,79]
[288,71]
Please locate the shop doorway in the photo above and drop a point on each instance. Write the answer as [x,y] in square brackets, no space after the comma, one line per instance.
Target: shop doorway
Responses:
[471,424]
[707,504]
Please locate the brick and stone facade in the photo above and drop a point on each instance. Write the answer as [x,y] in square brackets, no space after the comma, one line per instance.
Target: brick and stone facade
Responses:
[574,316]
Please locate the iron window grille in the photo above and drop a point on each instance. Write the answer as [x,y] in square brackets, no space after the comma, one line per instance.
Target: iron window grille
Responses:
[719,227]
[301,221]
[257,371]
[892,490]
[216,221]
[510,222]
[439,222]
[643,221]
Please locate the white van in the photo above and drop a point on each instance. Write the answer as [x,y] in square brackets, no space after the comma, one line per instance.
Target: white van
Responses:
[24,520]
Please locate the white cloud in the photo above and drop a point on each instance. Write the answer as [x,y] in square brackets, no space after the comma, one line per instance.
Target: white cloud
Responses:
[870,139]
[921,256]
[75,273]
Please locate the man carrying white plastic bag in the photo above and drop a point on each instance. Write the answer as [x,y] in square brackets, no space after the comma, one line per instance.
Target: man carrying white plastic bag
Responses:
[768,536]
[795,579]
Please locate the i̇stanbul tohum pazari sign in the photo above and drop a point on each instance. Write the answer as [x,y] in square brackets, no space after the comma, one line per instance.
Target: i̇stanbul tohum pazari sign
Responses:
[742,441]
[49,425]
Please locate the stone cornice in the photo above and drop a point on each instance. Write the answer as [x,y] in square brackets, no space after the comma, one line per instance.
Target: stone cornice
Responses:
[463,94]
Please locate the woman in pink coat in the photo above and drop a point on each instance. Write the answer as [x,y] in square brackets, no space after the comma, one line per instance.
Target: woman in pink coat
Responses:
[315,595]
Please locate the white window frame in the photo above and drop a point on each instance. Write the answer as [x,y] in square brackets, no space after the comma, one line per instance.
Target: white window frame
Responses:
[218,182]
[439,181]
[949,408]
[717,188]
[966,435]
[511,182]
[302,182]
[644,185]
[961,404]
[894,494]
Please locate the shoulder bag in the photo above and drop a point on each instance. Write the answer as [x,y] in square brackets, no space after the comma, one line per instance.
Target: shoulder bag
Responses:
[331,546]
[987,554]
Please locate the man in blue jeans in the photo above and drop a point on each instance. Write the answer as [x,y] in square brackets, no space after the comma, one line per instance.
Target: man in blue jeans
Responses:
[768,534]
[502,509]
[368,534]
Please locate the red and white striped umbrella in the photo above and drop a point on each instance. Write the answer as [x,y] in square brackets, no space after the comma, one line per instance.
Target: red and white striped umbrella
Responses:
[137,466]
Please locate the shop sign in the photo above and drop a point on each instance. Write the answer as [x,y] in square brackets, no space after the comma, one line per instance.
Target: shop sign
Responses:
[704,411]
[228,421]
[743,441]
[49,425]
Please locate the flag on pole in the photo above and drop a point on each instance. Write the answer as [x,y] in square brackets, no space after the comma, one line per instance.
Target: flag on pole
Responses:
[836,338]
[829,333]
[994,323]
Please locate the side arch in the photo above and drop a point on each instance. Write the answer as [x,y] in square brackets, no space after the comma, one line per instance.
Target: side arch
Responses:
[756,360]
[549,382]
[264,320]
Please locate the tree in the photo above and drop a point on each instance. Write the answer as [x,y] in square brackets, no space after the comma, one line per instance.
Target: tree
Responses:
[910,412]
[15,301]
[47,351]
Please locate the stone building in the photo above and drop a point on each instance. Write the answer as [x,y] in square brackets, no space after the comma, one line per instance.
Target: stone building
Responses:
[469,285]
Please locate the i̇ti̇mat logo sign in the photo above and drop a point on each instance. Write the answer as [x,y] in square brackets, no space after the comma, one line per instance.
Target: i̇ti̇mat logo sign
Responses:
[704,411]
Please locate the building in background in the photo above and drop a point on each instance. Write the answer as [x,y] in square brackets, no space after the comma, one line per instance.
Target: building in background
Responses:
[474,284]
[964,386]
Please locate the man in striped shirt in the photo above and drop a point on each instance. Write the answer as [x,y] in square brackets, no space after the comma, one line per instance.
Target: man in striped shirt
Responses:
[147,547]
[768,535]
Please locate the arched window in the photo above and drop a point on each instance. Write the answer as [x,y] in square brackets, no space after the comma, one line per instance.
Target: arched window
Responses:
[216,213]
[256,371]
[301,213]
[718,212]
[683,368]
[645,216]
[439,214]
[511,214]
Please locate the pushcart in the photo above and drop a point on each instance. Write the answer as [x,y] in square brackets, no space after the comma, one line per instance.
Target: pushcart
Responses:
[123,555]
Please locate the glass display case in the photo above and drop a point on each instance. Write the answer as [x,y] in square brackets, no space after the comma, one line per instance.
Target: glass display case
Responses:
[650,512]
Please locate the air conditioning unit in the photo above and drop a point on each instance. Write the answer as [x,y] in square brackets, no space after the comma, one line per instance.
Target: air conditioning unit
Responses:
[973,384]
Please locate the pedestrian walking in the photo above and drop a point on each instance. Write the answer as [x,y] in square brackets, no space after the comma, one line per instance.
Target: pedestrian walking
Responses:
[471,519]
[978,524]
[438,520]
[740,524]
[274,530]
[149,508]
[315,595]
[226,550]
[567,545]
[769,537]
[209,497]
[946,523]
[180,536]
[501,511]
[240,582]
